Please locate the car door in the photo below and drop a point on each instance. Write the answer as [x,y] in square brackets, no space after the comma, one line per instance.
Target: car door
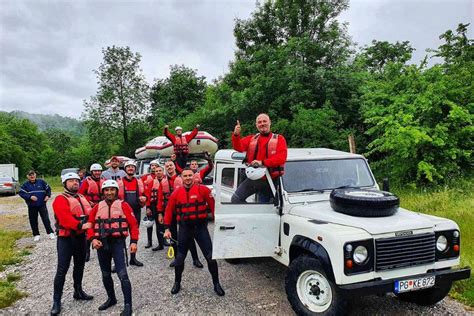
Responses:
[242,230]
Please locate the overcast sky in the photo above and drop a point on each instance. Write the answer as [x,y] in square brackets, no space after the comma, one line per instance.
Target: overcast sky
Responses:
[48,49]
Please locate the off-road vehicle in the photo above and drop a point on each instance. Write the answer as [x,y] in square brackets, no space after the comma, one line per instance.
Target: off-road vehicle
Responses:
[339,235]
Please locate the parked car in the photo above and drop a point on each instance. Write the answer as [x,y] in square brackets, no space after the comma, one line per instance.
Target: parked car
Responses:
[8,185]
[64,171]
[338,234]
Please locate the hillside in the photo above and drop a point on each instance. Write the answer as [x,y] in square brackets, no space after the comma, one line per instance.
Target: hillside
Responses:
[45,121]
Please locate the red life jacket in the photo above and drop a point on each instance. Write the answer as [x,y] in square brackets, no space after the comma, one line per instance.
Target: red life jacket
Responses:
[181,145]
[121,191]
[191,205]
[148,180]
[270,150]
[80,209]
[110,220]
[154,189]
[167,189]
[93,190]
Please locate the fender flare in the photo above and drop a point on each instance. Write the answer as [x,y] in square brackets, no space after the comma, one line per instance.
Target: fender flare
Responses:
[314,248]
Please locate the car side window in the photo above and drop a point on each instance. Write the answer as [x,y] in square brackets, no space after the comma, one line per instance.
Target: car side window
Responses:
[228,177]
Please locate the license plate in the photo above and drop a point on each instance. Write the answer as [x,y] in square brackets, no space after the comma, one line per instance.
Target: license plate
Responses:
[414,284]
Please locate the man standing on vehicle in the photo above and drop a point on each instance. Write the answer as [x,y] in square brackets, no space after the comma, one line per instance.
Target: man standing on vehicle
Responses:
[134,195]
[181,143]
[71,211]
[171,183]
[114,172]
[193,205]
[264,149]
[36,192]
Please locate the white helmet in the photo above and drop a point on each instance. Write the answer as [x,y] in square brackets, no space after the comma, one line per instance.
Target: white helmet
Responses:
[96,167]
[255,173]
[178,127]
[109,184]
[147,222]
[155,162]
[130,163]
[69,176]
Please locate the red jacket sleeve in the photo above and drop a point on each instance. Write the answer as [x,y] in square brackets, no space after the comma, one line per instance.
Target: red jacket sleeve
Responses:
[132,222]
[170,209]
[207,195]
[178,168]
[192,135]
[279,158]
[90,231]
[206,170]
[63,213]
[83,189]
[169,135]
[241,144]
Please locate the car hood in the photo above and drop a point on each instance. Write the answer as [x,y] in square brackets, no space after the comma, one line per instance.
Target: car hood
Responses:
[401,220]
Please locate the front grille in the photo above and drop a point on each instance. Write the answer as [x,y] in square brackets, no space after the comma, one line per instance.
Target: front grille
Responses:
[398,252]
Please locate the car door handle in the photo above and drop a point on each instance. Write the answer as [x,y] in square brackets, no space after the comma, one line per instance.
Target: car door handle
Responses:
[226,227]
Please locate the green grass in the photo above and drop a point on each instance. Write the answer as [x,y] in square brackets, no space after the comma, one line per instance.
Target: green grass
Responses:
[10,255]
[8,293]
[457,203]
[54,183]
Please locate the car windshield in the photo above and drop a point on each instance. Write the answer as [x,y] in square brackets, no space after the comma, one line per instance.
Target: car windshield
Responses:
[318,175]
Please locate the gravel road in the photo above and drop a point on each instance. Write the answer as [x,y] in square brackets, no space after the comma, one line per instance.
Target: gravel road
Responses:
[253,287]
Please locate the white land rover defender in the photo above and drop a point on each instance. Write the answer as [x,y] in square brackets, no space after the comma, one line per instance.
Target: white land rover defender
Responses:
[338,234]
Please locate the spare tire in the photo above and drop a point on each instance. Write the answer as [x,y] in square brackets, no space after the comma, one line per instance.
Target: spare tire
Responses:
[364,203]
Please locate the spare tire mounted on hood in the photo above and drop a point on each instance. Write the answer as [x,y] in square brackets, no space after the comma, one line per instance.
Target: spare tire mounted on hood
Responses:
[364,203]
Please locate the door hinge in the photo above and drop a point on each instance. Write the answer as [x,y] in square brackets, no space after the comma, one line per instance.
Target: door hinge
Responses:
[277,251]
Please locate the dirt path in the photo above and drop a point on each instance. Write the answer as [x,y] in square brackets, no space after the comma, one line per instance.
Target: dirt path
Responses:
[253,287]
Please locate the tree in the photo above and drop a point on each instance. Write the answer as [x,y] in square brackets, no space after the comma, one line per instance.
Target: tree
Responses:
[122,97]
[176,96]
[376,56]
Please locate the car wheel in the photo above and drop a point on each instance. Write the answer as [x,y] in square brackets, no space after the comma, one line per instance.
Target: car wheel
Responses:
[309,291]
[426,297]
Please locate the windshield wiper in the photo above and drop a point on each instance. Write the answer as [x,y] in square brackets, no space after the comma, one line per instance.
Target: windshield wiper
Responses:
[346,186]
[311,190]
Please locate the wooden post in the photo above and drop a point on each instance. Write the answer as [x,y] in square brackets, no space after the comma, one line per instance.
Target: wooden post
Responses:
[352,144]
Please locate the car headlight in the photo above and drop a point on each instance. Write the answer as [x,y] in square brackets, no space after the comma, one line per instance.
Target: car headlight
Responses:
[360,254]
[441,243]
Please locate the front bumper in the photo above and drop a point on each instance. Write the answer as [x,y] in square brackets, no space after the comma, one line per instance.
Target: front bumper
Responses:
[386,286]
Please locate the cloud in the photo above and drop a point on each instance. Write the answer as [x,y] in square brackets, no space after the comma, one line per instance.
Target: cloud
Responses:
[48,49]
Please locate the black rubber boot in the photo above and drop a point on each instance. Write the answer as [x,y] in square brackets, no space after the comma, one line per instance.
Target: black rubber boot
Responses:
[178,272]
[149,233]
[127,310]
[197,264]
[173,263]
[218,289]
[134,261]
[176,288]
[79,294]
[159,247]
[110,302]
[56,309]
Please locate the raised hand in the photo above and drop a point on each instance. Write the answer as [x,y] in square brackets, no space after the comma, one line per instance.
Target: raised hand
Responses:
[237,128]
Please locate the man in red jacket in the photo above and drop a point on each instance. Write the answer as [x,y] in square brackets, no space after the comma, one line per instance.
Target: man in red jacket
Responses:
[264,149]
[71,211]
[111,222]
[181,143]
[192,205]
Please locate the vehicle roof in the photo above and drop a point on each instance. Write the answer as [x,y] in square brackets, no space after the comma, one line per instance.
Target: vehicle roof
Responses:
[293,154]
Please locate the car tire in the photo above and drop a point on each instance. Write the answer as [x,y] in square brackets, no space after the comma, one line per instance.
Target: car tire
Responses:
[310,291]
[364,203]
[426,297]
